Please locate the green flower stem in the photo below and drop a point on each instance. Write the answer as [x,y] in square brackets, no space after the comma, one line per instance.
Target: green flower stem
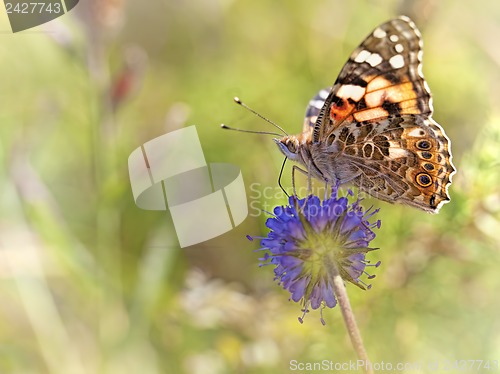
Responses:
[347,313]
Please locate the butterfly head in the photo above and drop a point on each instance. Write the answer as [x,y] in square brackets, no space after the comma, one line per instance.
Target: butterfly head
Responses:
[289,146]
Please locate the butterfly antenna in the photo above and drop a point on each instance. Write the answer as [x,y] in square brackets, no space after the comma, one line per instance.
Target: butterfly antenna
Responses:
[238,101]
[251,131]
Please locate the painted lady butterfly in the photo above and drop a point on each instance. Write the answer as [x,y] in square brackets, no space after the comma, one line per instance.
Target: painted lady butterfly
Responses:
[374,128]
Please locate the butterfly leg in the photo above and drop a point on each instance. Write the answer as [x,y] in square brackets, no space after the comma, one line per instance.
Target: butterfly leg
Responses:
[295,197]
[309,183]
[305,172]
[309,186]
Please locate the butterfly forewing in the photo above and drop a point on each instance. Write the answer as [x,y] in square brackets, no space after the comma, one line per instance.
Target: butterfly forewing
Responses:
[383,76]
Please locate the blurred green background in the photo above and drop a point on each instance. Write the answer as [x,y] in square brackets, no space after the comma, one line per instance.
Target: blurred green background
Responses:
[90,283]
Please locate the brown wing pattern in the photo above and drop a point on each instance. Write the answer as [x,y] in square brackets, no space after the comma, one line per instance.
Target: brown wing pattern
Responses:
[403,159]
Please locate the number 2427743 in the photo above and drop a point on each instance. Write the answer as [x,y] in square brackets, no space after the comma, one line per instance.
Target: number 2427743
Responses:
[33,8]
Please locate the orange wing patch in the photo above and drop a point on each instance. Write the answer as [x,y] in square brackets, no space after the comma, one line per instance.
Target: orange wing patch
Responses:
[381,98]
[394,94]
[371,114]
[341,109]
[376,83]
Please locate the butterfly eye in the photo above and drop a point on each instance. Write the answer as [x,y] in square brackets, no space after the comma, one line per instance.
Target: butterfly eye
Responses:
[291,147]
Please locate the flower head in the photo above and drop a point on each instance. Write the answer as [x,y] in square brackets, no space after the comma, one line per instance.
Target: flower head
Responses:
[308,238]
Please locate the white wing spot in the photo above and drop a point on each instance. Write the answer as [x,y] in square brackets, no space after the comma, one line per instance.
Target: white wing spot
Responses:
[318,104]
[374,59]
[408,35]
[399,48]
[396,152]
[323,94]
[397,61]
[351,91]
[379,33]
[416,133]
[394,38]
[362,56]
[419,71]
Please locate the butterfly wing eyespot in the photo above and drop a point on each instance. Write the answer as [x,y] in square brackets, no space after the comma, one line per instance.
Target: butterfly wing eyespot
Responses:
[426,155]
[429,167]
[424,145]
[423,179]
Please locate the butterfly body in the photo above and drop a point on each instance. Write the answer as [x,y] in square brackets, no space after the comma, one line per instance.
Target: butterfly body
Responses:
[374,129]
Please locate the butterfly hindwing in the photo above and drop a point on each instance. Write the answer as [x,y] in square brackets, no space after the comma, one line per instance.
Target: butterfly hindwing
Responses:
[402,158]
[313,109]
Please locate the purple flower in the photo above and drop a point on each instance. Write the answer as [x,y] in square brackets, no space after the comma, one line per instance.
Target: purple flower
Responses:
[308,237]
